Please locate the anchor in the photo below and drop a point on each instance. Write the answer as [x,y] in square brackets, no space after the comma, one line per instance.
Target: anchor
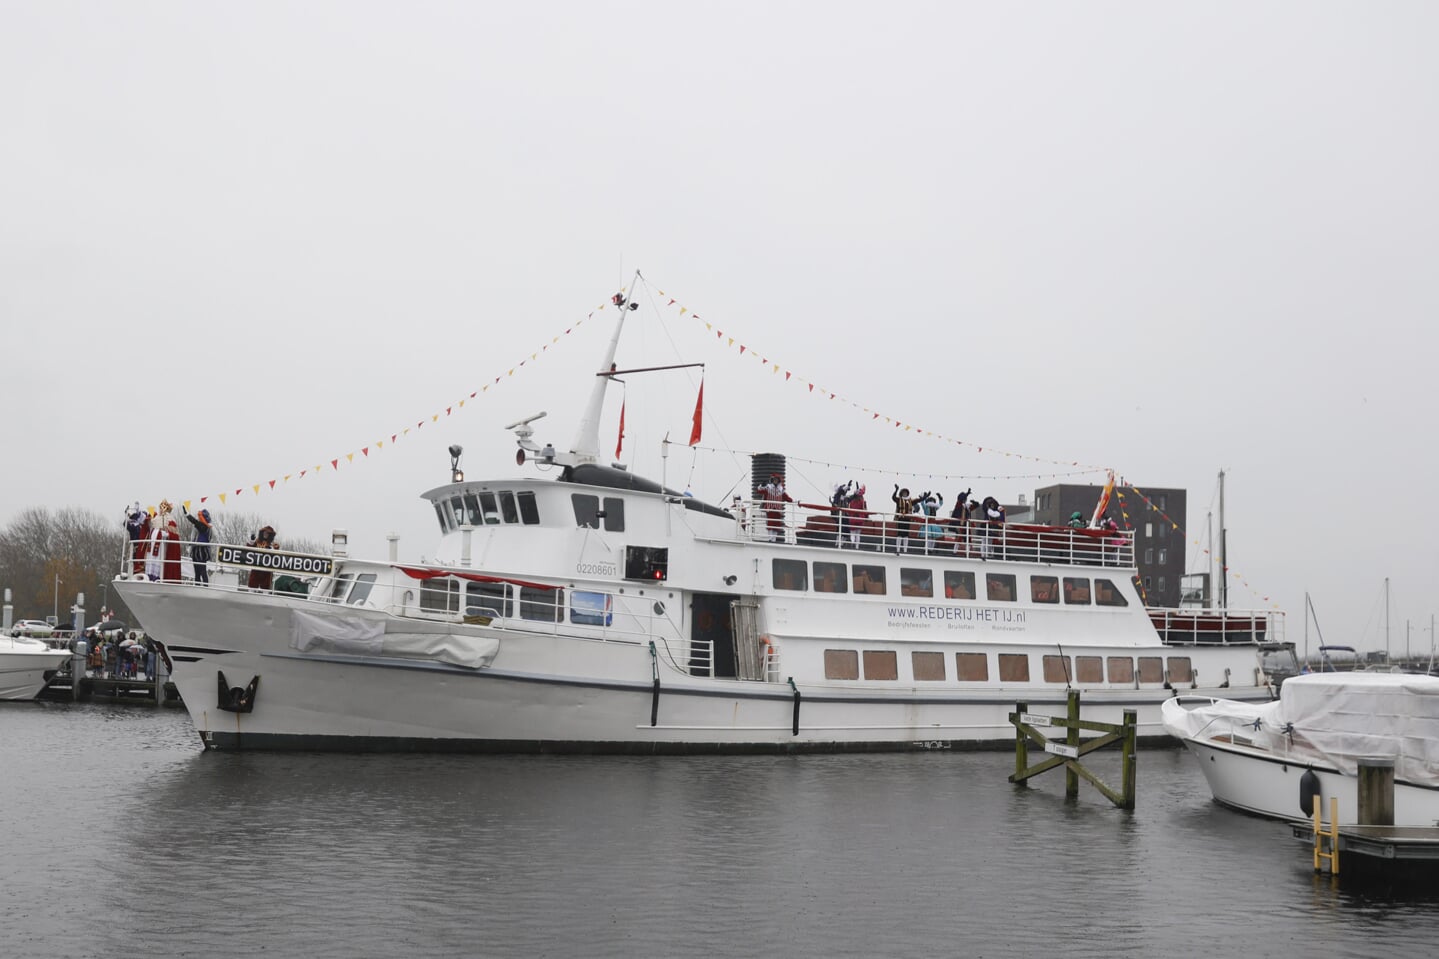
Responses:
[234,699]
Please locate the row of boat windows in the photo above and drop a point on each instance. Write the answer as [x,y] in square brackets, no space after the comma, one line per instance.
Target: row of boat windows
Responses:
[485,601]
[794,574]
[485,508]
[928,666]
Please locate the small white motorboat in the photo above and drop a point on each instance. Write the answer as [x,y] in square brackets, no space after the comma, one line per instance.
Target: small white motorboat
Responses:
[1272,758]
[23,665]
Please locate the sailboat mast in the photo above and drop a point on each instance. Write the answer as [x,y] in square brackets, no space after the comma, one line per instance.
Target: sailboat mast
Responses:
[1386,619]
[1223,550]
[586,445]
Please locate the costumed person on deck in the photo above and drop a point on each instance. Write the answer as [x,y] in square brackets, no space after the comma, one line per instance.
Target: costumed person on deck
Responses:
[839,504]
[1076,520]
[993,516]
[264,539]
[200,548]
[137,527]
[903,517]
[958,517]
[858,512]
[927,504]
[774,496]
[163,563]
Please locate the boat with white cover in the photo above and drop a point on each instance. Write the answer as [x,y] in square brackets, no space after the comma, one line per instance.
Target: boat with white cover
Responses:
[1256,756]
[23,665]
[585,608]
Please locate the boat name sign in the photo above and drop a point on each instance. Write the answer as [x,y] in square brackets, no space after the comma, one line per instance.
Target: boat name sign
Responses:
[302,563]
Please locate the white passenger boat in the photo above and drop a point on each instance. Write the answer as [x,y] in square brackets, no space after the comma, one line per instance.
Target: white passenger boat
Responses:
[598,611]
[23,665]
[1272,758]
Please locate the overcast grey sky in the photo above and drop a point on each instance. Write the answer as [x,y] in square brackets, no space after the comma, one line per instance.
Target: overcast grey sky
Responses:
[1167,238]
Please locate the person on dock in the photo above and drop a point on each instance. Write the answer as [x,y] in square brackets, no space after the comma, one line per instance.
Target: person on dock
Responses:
[200,548]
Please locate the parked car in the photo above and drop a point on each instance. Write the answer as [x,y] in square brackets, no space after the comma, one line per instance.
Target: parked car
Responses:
[34,628]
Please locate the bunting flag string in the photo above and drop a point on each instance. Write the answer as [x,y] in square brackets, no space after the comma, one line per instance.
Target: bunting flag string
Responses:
[380,444]
[1174,525]
[790,376]
[916,474]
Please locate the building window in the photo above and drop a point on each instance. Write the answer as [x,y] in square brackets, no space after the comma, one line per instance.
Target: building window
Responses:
[928,667]
[1163,557]
[841,664]
[831,578]
[880,664]
[971,667]
[1148,530]
[1163,530]
[1163,501]
[1146,584]
[1149,557]
[1161,585]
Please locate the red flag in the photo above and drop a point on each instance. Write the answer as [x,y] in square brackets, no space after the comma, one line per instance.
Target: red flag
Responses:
[619,443]
[699,413]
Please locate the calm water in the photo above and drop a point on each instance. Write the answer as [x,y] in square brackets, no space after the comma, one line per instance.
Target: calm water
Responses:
[118,836]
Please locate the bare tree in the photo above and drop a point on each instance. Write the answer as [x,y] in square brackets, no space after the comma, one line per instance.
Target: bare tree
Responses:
[47,559]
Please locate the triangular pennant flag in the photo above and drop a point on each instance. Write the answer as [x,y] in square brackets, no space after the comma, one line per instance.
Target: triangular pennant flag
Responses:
[256,488]
[349,457]
[335,463]
[272,484]
[222,499]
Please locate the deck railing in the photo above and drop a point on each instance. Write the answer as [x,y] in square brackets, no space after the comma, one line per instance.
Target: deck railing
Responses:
[812,524]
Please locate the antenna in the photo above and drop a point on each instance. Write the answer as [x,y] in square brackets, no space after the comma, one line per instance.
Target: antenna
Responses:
[527,420]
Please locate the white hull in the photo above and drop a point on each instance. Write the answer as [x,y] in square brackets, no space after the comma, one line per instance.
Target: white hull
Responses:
[23,665]
[1268,785]
[550,692]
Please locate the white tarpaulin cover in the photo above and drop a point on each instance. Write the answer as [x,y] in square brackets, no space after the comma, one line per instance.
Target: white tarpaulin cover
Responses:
[358,636]
[1336,717]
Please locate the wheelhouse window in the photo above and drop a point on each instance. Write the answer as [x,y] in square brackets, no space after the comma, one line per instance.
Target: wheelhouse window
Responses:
[509,512]
[591,609]
[1076,590]
[614,514]
[473,516]
[790,574]
[830,578]
[529,509]
[440,595]
[869,579]
[1107,594]
[493,597]
[1044,589]
[443,515]
[587,510]
[916,582]
[542,605]
[958,584]
[999,587]
[489,508]
[457,508]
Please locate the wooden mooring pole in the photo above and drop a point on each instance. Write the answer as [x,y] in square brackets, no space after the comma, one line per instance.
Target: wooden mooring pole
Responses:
[1069,752]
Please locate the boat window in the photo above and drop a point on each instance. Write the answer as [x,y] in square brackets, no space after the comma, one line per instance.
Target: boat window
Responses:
[1151,669]
[440,595]
[999,587]
[1044,589]
[1056,669]
[440,515]
[971,667]
[869,579]
[457,509]
[494,597]
[881,664]
[529,509]
[831,578]
[472,510]
[841,664]
[790,574]
[614,514]
[915,582]
[587,510]
[927,667]
[1076,590]
[1107,594]
[650,563]
[1180,670]
[541,605]
[1013,667]
[591,609]
[1121,669]
[1089,669]
[363,584]
[508,511]
[958,584]
[488,509]
[342,585]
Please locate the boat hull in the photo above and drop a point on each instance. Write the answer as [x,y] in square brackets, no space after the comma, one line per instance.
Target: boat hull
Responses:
[23,667]
[544,692]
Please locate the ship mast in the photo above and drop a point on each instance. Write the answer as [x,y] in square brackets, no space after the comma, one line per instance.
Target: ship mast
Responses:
[586,445]
[1223,552]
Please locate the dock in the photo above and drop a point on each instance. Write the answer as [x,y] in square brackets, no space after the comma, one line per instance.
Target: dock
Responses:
[1380,849]
[60,688]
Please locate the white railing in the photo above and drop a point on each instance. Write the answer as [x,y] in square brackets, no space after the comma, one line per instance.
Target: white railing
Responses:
[810,524]
[1220,627]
